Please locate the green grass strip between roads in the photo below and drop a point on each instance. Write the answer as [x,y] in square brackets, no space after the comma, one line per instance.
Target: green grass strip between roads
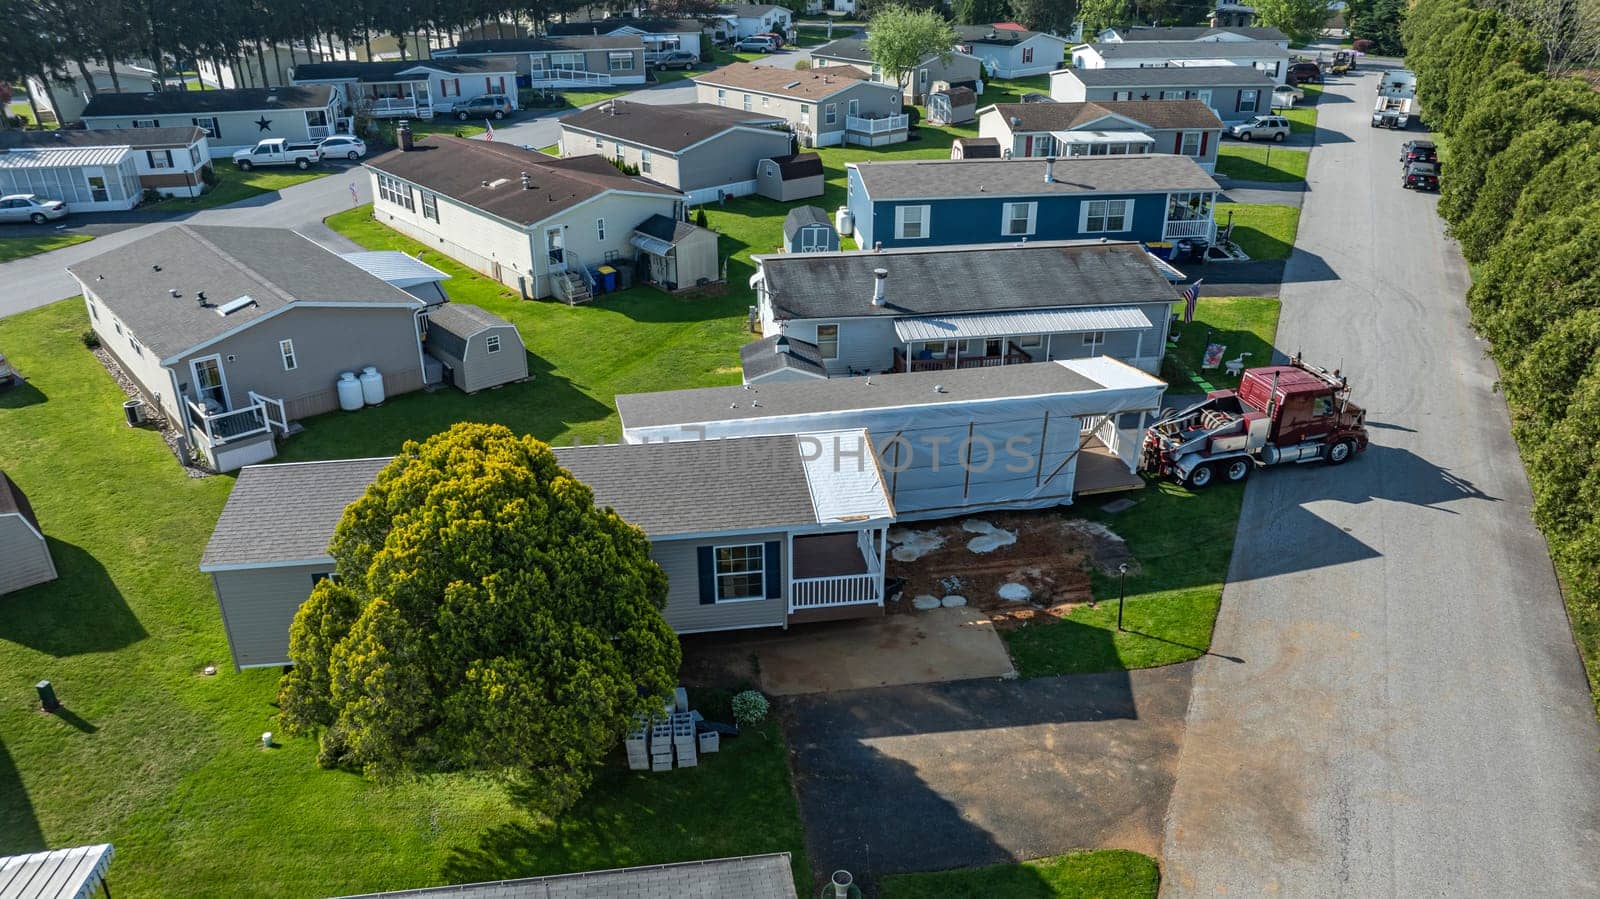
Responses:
[19,247]
[1107,874]
[1261,162]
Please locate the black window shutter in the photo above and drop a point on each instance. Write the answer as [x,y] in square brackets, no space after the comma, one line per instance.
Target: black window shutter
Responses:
[150,155]
[774,568]
[169,158]
[708,576]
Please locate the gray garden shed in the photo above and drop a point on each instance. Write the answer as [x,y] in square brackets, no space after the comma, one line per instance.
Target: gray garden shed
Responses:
[676,255]
[806,229]
[480,349]
[22,545]
[789,178]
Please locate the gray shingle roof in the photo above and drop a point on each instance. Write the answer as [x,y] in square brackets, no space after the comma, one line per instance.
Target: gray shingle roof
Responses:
[966,386]
[135,281]
[552,42]
[458,169]
[932,179]
[311,96]
[14,502]
[801,216]
[665,228]
[286,513]
[390,70]
[672,127]
[606,26]
[1191,50]
[798,165]
[748,10]
[1158,115]
[986,278]
[138,138]
[851,48]
[760,358]
[750,877]
[987,34]
[1174,76]
[465,319]
[1196,32]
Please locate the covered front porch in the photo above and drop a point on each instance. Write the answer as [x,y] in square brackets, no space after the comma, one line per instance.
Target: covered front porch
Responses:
[836,575]
[985,339]
[1190,217]
[396,99]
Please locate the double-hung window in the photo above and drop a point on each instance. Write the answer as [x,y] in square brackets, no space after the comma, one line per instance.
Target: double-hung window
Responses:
[1248,100]
[644,161]
[1027,55]
[749,101]
[430,206]
[159,159]
[194,156]
[286,349]
[1106,215]
[620,153]
[209,123]
[1018,219]
[600,228]
[395,191]
[1094,340]
[722,97]
[147,123]
[741,572]
[830,114]
[828,341]
[911,222]
[620,62]
[1191,143]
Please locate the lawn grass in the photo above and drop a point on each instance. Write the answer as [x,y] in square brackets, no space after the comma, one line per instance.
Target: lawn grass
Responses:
[1241,324]
[1182,541]
[1261,162]
[1261,230]
[580,99]
[1303,115]
[1106,874]
[234,184]
[166,764]
[19,247]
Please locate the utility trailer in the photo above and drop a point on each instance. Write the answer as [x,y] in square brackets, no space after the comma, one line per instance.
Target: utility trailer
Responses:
[1280,413]
[1392,112]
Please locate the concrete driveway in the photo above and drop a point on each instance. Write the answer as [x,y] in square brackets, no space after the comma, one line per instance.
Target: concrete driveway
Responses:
[980,772]
[1412,719]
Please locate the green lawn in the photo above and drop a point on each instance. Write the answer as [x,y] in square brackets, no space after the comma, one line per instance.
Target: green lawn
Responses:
[234,185]
[1261,162]
[1262,231]
[1182,541]
[166,764]
[18,247]
[1107,874]
[579,99]
[1303,115]
[1242,324]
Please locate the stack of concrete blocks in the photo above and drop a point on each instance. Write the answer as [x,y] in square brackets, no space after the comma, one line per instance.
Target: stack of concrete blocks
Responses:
[661,745]
[710,741]
[683,742]
[638,745]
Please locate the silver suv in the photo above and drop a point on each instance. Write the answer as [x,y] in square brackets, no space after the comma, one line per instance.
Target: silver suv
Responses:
[1262,127]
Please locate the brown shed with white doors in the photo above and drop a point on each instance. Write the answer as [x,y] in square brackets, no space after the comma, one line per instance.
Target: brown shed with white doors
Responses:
[479,349]
[24,555]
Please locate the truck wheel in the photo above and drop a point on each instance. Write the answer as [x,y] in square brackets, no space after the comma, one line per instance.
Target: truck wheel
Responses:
[1340,452]
[245,165]
[302,163]
[1200,478]
[1237,471]
[461,116]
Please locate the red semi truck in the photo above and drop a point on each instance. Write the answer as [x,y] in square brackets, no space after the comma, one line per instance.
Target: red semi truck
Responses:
[1280,413]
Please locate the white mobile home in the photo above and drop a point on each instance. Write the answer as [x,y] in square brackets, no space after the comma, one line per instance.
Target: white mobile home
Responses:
[232,119]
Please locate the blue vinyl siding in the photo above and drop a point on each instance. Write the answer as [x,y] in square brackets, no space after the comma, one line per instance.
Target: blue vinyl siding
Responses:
[977,220]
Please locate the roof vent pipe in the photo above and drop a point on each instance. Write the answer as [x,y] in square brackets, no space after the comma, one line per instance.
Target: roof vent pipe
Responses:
[527,181]
[880,278]
[1049,170]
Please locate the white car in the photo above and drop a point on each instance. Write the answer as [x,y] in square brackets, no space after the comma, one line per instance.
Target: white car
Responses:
[29,208]
[1262,127]
[757,44]
[342,146]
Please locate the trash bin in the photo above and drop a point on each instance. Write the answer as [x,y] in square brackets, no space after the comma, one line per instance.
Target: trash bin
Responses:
[595,279]
[608,279]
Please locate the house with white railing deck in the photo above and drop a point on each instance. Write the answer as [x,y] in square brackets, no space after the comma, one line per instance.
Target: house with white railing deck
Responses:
[412,89]
[570,62]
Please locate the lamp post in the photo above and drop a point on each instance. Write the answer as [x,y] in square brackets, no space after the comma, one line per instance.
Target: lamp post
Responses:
[1122,592]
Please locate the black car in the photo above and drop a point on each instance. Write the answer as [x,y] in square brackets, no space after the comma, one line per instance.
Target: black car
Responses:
[1418,151]
[1303,72]
[1420,176]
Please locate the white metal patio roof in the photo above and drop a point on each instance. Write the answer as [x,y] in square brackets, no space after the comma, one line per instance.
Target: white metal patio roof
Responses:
[395,267]
[60,874]
[655,246]
[1102,137]
[63,157]
[1015,323]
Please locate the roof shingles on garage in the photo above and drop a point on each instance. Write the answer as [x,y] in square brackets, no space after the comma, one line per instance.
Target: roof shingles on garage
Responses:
[353,70]
[272,267]
[1191,50]
[1155,114]
[488,176]
[671,127]
[1174,76]
[310,96]
[977,278]
[811,84]
[934,179]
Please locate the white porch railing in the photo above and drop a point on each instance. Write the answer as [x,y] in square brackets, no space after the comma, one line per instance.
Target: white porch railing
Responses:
[569,78]
[318,132]
[272,411]
[395,107]
[884,125]
[839,590]
[1206,228]
[225,427]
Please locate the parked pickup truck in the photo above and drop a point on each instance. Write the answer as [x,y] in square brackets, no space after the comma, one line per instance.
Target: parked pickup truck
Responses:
[278,151]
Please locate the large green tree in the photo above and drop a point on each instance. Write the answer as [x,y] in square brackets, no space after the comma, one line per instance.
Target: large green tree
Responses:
[487,616]
[1045,15]
[900,37]
[1300,19]
[981,12]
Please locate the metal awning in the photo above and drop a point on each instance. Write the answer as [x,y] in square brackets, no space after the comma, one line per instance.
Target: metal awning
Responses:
[395,267]
[62,874]
[655,246]
[1021,322]
[63,157]
[1102,137]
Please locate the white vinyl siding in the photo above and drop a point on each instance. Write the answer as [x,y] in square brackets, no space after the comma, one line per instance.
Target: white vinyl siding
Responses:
[911,222]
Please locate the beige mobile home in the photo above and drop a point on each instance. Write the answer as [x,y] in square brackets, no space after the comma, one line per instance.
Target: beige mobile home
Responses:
[825,107]
[953,66]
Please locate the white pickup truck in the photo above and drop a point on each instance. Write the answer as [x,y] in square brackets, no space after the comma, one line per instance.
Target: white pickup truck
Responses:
[278,151]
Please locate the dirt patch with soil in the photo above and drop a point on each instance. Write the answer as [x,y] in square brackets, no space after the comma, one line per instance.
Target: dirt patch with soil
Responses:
[1047,554]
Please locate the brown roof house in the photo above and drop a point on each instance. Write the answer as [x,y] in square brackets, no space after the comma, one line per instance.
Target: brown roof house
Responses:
[533,222]
[826,107]
[762,532]
[1104,128]
[706,151]
[22,544]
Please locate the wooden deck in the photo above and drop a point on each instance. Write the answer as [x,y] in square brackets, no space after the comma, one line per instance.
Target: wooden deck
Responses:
[828,555]
[1100,471]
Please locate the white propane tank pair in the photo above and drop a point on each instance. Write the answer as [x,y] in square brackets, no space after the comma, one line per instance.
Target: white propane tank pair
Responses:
[354,391]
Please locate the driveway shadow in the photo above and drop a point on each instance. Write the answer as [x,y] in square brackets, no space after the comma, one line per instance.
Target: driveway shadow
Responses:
[80,612]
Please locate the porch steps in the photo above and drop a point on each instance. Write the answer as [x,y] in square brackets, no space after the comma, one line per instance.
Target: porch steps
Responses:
[577,289]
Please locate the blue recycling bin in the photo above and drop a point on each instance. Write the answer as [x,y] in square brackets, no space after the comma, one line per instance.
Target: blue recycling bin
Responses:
[607,278]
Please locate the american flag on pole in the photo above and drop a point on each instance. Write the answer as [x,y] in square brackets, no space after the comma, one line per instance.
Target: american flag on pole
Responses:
[1191,298]
[489,125]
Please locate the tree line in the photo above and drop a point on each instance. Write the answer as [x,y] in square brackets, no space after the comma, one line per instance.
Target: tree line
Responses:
[1520,128]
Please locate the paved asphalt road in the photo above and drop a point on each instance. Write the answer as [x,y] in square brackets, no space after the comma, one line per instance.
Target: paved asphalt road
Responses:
[39,280]
[1411,718]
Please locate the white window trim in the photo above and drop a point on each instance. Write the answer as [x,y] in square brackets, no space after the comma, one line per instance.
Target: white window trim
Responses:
[1127,217]
[900,222]
[644,160]
[717,575]
[600,229]
[835,328]
[1183,144]
[830,114]
[1094,339]
[1030,341]
[430,200]
[287,354]
[492,343]
[1006,218]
